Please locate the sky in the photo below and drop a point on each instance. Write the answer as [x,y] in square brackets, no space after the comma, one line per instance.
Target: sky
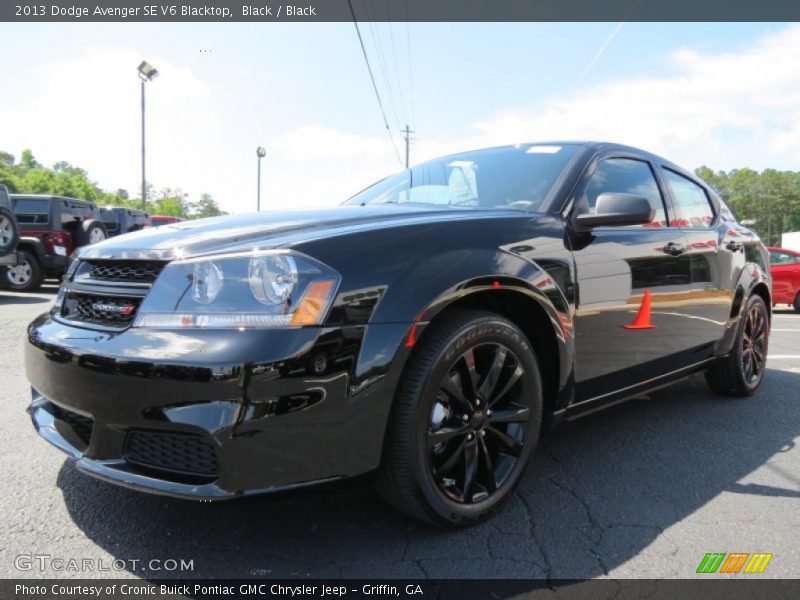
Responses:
[726,95]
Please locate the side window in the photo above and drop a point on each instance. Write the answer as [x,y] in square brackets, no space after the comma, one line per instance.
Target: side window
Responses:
[781,258]
[31,211]
[626,176]
[691,202]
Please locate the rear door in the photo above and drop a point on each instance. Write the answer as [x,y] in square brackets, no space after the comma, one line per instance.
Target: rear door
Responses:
[715,251]
[616,268]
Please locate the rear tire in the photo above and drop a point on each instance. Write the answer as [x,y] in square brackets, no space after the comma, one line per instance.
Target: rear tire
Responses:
[742,371]
[27,276]
[797,303]
[465,419]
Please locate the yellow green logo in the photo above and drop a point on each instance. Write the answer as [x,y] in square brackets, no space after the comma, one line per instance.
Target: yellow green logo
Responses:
[734,562]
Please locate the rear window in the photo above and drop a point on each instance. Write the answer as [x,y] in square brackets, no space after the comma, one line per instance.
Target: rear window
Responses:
[34,211]
[691,202]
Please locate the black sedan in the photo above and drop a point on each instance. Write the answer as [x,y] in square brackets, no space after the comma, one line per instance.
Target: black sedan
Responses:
[428,330]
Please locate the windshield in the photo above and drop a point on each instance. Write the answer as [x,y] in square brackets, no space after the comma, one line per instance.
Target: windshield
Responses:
[518,177]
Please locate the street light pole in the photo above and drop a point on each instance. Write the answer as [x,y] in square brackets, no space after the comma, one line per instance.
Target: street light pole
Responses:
[144,178]
[147,72]
[260,153]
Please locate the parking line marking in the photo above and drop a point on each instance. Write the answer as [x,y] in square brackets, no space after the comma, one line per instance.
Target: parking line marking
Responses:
[783,356]
[785,330]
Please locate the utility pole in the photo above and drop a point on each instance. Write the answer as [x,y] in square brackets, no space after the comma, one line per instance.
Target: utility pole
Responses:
[407,132]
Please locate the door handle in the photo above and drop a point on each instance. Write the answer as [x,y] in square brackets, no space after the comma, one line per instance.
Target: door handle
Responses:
[735,246]
[674,249]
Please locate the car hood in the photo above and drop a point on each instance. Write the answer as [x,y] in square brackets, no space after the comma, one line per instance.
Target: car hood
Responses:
[271,229]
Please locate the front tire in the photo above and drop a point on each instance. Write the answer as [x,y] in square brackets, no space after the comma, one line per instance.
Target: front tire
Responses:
[797,303]
[742,371]
[27,276]
[465,420]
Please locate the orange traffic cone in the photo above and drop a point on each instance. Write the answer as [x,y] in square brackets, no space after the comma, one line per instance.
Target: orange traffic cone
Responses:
[642,320]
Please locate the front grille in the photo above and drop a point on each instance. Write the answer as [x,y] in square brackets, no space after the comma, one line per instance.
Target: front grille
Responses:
[80,425]
[124,271]
[112,311]
[180,453]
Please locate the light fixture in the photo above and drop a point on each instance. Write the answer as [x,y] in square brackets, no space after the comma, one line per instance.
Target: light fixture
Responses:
[147,72]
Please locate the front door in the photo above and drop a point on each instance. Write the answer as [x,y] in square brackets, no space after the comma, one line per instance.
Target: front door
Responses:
[632,285]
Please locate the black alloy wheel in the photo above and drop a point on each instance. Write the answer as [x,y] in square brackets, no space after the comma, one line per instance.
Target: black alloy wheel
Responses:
[478,423]
[741,372]
[466,418]
[754,345]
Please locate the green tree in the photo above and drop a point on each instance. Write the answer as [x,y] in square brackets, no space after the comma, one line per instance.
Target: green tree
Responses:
[28,162]
[205,207]
[172,202]
[770,198]
[65,179]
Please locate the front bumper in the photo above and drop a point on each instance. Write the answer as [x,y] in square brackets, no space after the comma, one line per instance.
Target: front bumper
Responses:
[208,414]
[54,263]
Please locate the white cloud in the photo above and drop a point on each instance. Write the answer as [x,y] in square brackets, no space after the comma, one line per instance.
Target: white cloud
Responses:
[312,142]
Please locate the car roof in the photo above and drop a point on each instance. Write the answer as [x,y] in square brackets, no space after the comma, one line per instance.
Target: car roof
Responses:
[777,249]
[50,197]
[590,145]
[137,211]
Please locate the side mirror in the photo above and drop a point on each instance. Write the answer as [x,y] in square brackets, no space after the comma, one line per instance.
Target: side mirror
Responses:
[617,209]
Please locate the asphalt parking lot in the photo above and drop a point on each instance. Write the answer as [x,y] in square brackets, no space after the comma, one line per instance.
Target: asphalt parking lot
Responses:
[642,490]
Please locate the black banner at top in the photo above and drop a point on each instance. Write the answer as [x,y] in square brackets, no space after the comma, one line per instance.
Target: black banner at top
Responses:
[397,10]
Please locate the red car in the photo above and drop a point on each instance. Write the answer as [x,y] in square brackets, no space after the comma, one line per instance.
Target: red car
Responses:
[785,268]
[159,220]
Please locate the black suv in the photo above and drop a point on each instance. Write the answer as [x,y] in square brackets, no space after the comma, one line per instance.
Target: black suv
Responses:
[119,219]
[9,234]
[51,227]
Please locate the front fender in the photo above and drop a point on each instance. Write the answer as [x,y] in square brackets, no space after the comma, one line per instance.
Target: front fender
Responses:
[426,289]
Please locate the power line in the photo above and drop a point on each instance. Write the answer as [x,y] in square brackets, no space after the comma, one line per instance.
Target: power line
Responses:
[377,43]
[372,79]
[410,71]
[397,69]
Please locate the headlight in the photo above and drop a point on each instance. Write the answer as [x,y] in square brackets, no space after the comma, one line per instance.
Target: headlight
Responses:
[266,289]
[206,282]
[272,278]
